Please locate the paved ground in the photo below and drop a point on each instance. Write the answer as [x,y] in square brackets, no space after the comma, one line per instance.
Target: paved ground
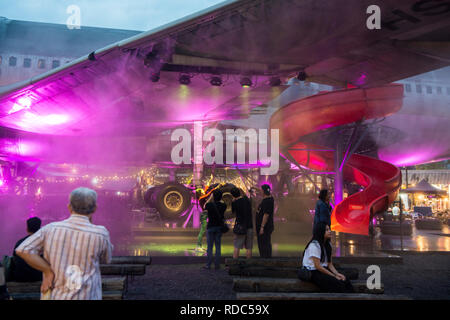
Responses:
[421,276]
[181,282]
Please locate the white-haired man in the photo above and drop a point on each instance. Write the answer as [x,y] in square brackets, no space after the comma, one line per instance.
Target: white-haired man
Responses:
[72,251]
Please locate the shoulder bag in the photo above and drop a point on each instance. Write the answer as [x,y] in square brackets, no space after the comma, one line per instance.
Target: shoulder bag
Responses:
[304,274]
[239,229]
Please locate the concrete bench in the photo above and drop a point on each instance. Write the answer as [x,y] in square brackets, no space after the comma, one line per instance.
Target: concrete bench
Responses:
[113,289]
[428,224]
[394,228]
[258,284]
[314,296]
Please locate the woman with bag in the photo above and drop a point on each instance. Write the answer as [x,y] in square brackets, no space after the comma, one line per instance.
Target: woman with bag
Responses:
[214,229]
[317,265]
[243,226]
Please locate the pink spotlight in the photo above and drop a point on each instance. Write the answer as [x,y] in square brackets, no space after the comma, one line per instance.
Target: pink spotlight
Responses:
[22,103]
[51,119]
[55,119]
[25,102]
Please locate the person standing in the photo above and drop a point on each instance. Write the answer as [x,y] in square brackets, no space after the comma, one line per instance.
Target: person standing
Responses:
[73,250]
[22,272]
[264,223]
[243,231]
[201,233]
[216,210]
[323,209]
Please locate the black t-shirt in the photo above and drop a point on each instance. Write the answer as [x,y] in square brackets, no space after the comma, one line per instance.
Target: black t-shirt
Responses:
[22,272]
[266,206]
[243,209]
[215,217]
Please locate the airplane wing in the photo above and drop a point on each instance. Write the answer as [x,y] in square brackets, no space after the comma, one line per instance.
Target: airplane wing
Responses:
[328,40]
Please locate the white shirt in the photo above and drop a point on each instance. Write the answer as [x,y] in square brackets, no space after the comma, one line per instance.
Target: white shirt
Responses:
[313,250]
[74,248]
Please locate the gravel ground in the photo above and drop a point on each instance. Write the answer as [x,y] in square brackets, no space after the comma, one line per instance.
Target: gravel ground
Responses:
[421,276]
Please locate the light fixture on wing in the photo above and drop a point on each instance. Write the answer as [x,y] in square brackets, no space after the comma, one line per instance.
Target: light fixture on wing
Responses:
[216,81]
[21,103]
[184,79]
[246,82]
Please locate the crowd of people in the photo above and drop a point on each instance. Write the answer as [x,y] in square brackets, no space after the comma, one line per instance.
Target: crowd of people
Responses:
[66,255]
[317,256]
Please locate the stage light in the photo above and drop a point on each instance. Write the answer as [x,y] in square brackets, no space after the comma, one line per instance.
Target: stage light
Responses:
[22,103]
[216,81]
[246,82]
[301,76]
[25,102]
[184,79]
[275,81]
[154,77]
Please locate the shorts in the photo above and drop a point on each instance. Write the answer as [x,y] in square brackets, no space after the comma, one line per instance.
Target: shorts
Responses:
[244,240]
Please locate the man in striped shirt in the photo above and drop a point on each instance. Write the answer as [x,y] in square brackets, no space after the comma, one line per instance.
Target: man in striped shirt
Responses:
[72,249]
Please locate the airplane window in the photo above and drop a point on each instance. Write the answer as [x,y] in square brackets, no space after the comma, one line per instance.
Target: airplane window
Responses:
[418,88]
[439,90]
[55,63]
[12,61]
[27,63]
[429,90]
[407,87]
[41,64]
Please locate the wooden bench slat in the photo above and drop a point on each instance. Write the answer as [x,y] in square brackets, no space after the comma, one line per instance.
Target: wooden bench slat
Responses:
[294,262]
[261,271]
[123,269]
[108,295]
[280,272]
[112,295]
[315,296]
[257,284]
[108,284]
[131,260]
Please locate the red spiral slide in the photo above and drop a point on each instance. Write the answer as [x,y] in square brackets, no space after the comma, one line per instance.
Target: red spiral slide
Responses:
[380,180]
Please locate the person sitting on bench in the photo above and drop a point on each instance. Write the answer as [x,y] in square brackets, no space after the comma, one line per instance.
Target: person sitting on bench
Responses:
[21,271]
[317,259]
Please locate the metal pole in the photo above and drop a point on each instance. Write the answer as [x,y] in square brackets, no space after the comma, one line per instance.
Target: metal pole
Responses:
[338,178]
[401,223]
